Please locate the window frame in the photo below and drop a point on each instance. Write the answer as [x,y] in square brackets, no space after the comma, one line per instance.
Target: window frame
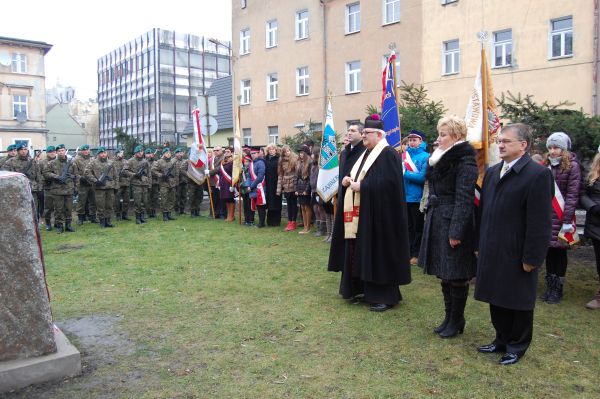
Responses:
[245,41]
[303,78]
[301,23]
[385,15]
[18,63]
[245,92]
[503,44]
[244,3]
[22,105]
[247,137]
[455,56]
[271,33]
[562,33]
[270,135]
[354,15]
[352,76]
[272,85]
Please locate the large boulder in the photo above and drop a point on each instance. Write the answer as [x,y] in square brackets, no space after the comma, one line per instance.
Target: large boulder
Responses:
[26,328]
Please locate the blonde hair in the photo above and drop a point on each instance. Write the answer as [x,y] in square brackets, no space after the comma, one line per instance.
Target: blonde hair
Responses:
[456,125]
[272,146]
[594,172]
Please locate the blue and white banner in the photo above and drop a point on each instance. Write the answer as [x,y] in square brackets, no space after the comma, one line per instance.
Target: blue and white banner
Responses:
[327,182]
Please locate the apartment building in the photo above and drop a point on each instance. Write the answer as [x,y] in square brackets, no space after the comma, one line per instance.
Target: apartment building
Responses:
[149,86]
[288,56]
[22,92]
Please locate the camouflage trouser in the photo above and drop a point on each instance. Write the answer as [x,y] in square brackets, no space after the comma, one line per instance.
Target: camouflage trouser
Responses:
[122,200]
[140,198]
[38,200]
[154,194]
[63,208]
[105,200]
[48,204]
[86,193]
[196,193]
[181,195]
[167,199]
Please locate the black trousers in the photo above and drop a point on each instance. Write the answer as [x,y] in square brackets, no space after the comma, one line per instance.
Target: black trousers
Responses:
[415,227]
[556,261]
[514,328]
[596,244]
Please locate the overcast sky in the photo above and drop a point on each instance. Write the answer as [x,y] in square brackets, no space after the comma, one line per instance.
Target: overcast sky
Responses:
[81,32]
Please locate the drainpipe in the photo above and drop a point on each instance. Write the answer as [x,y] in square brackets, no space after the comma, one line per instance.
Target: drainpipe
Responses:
[325,93]
[596,71]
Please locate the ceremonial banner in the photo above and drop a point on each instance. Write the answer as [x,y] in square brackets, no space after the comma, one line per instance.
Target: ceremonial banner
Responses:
[327,181]
[389,106]
[237,150]
[198,162]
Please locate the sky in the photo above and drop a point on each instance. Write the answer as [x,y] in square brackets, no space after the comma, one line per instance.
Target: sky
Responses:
[81,32]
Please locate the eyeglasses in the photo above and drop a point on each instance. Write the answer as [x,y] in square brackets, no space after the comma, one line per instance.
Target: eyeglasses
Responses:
[507,141]
[365,132]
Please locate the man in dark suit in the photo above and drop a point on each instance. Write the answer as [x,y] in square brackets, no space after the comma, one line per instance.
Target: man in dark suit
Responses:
[515,227]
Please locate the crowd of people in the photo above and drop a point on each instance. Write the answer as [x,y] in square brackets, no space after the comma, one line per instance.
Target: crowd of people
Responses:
[393,210]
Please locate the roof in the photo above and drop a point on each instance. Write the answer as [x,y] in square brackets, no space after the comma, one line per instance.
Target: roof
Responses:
[221,88]
[27,43]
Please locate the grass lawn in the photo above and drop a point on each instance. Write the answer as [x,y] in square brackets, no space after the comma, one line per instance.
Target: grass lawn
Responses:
[202,308]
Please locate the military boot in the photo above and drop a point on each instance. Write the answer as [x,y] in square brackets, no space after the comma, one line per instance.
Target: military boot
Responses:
[170,217]
[125,217]
[165,218]
[138,218]
[68,227]
[48,224]
[80,219]
[119,216]
[93,219]
[142,219]
[59,228]
[102,225]
[107,223]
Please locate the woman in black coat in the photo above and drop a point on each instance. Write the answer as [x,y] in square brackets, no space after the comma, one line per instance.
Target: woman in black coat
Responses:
[590,201]
[273,200]
[449,235]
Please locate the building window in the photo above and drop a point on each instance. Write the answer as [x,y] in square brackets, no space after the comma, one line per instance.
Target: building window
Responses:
[244,41]
[384,62]
[244,3]
[26,141]
[302,25]
[451,57]
[353,18]
[302,88]
[273,134]
[561,37]
[247,136]
[272,86]
[19,63]
[353,77]
[271,32]
[19,107]
[502,48]
[391,11]
[245,87]
[444,2]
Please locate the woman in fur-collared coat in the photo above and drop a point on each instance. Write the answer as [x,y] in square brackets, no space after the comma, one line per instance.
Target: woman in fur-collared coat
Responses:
[449,235]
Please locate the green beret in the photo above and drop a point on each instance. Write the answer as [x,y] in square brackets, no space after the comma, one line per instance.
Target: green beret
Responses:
[100,149]
[84,147]
[179,149]
[58,147]
[20,146]
[149,151]
[50,148]
[165,150]
[138,148]
[11,147]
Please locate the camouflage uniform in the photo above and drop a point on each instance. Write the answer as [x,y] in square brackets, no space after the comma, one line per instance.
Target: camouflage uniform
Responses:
[154,191]
[102,175]
[138,169]
[86,191]
[182,192]
[60,172]
[122,195]
[166,172]
[48,198]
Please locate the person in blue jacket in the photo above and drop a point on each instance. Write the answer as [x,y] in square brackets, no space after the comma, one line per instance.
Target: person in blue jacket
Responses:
[414,165]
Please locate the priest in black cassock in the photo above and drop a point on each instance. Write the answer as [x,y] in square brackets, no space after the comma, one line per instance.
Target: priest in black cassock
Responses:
[376,251]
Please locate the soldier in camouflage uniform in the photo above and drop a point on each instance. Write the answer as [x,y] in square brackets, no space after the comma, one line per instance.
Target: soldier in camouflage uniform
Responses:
[181,192]
[61,173]
[137,170]
[154,190]
[165,170]
[102,175]
[26,165]
[48,198]
[122,190]
[86,191]
[11,152]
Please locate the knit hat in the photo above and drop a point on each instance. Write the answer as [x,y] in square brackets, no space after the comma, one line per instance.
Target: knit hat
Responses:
[138,148]
[50,148]
[560,140]
[416,134]
[374,122]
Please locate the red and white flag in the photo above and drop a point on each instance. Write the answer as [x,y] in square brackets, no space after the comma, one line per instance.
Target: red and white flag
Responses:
[198,162]
[558,204]
[407,163]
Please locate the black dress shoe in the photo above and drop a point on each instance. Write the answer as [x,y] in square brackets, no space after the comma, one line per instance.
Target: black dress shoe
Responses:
[379,307]
[490,348]
[356,299]
[509,358]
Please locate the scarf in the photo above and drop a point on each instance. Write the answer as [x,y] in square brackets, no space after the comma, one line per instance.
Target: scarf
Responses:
[439,153]
[351,198]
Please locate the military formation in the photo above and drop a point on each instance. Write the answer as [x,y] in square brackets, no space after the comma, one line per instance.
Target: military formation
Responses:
[99,189]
